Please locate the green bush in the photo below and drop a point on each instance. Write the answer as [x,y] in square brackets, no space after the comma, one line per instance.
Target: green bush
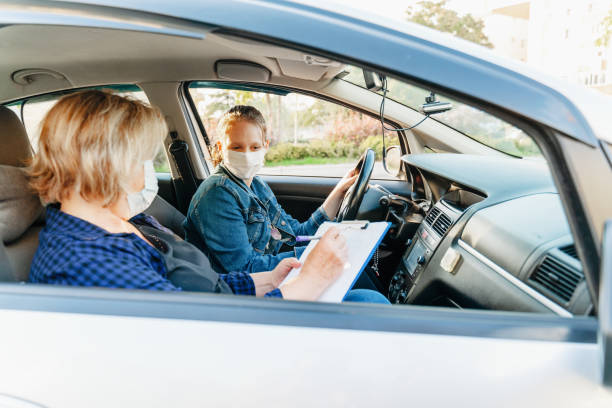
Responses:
[375,143]
[286,151]
[314,148]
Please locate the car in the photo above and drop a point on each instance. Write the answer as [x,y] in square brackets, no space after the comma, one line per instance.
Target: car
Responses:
[498,262]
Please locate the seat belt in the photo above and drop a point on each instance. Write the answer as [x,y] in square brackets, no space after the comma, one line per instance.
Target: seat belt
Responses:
[187,184]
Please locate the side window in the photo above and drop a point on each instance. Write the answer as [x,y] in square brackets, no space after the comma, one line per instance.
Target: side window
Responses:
[308,136]
[35,109]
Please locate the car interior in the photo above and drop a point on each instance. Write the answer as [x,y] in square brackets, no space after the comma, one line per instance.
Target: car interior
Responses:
[471,225]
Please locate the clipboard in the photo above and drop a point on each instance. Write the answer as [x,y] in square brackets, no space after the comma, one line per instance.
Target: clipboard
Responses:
[363,238]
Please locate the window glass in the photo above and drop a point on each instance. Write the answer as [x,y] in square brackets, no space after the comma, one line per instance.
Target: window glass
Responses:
[35,109]
[308,136]
[472,122]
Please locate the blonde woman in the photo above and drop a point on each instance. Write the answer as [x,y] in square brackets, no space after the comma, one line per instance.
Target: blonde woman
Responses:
[234,216]
[94,167]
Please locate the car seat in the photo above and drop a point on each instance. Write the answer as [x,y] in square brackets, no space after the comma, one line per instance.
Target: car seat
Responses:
[20,209]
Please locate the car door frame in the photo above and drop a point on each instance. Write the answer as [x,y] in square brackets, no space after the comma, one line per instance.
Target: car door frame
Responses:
[553,144]
[563,151]
[408,319]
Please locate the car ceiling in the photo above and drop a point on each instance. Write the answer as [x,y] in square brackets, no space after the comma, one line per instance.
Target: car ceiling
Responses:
[88,56]
[92,56]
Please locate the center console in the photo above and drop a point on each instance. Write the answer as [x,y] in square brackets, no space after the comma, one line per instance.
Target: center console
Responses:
[422,246]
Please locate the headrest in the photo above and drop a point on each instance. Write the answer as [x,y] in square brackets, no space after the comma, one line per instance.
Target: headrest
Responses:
[19,206]
[15,147]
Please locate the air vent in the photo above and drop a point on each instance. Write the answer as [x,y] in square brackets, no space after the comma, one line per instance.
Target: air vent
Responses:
[569,250]
[442,224]
[558,278]
[431,217]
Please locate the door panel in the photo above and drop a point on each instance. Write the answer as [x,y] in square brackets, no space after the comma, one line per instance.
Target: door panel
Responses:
[300,196]
[160,350]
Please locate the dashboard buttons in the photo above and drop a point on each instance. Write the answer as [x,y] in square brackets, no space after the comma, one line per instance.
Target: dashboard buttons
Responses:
[421,260]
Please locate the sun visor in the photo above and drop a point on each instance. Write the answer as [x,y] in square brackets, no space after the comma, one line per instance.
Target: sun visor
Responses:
[310,67]
[238,70]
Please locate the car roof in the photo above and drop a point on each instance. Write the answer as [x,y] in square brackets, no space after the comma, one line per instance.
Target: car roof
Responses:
[436,59]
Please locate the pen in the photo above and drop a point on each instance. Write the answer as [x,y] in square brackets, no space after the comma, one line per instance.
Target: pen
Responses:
[305,238]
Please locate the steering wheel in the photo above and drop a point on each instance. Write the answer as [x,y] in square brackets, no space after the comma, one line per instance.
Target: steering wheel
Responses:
[354,195]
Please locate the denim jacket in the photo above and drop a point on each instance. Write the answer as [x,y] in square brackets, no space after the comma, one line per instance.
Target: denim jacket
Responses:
[233,224]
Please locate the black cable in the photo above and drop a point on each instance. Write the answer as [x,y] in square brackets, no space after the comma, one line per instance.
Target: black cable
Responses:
[381,113]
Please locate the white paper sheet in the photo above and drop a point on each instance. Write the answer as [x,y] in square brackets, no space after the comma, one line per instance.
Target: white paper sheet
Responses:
[361,244]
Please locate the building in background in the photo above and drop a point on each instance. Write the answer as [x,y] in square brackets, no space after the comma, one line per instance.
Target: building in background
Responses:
[555,36]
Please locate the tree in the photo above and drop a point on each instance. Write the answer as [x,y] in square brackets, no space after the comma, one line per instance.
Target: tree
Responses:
[606,25]
[434,14]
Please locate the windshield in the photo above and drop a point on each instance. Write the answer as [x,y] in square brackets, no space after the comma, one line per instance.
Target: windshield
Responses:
[474,123]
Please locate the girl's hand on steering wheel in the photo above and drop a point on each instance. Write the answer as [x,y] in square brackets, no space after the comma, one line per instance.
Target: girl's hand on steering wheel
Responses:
[346,182]
[333,201]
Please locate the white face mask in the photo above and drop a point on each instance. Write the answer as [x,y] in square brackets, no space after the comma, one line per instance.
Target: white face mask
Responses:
[244,165]
[141,200]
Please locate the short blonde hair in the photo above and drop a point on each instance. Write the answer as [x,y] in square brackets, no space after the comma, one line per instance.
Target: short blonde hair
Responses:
[235,114]
[90,143]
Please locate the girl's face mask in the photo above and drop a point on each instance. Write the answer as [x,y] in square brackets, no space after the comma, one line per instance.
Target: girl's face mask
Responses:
[244,165]
[245,150]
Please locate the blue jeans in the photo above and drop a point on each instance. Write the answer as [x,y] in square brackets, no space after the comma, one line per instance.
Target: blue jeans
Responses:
[367,296]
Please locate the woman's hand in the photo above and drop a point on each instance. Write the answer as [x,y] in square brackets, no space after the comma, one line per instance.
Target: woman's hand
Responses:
[334,200]
[323,266]
[267,281]
[282,270]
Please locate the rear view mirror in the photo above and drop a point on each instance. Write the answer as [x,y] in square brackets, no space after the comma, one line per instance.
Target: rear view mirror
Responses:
[605,305]
[393,160]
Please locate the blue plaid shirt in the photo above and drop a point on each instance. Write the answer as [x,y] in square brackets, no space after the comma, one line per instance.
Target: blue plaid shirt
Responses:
[74,252]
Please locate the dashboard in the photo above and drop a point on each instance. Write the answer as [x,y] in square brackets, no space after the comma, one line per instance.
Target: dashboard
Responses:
[493,235]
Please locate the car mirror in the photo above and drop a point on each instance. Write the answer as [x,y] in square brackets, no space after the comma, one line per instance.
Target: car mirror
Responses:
[393,160]
[605,305]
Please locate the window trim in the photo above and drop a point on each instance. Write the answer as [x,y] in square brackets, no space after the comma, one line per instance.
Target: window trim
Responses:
[66,91]
[194,113]
[406,319]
